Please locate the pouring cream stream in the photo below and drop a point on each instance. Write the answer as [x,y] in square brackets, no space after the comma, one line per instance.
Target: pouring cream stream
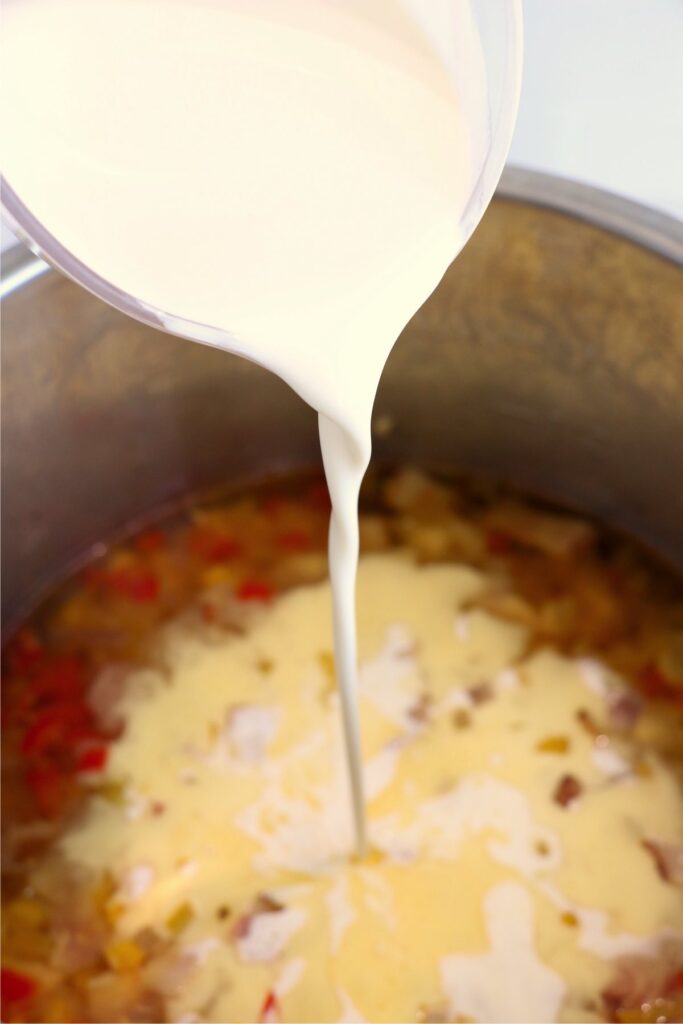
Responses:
[288,178]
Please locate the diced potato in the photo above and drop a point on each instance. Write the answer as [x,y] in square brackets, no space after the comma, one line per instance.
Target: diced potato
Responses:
[374,533]
[559,536]
[508,606]
[110,995]
[557,619]
[444,539]
[61,1006]
[307,567]
[412,491]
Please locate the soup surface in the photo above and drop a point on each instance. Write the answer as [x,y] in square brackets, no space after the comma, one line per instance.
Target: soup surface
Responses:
[177,819]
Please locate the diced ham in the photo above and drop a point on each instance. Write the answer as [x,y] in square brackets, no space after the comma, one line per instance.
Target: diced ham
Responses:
[420,711]
[624,710]
[668,858]
[262,934]
[481,693]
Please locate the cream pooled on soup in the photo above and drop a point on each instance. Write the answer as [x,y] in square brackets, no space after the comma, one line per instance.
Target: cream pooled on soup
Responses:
[292,176]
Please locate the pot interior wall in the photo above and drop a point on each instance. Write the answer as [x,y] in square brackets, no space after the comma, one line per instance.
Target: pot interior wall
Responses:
[550,356]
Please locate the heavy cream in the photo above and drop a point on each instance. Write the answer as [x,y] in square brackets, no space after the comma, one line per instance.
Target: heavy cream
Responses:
[284,180]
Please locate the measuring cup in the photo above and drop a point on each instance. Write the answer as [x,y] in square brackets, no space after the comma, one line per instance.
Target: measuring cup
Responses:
[499,29]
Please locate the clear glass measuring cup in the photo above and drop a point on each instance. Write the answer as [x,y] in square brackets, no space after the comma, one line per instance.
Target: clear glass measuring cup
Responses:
[499,27]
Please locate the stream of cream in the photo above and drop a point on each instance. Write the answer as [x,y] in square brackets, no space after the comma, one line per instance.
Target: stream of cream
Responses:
[290,178]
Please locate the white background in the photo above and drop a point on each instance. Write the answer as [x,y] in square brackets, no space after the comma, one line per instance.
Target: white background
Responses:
[602,99]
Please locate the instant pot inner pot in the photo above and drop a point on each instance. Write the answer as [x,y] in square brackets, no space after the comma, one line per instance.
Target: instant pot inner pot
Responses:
[549,357]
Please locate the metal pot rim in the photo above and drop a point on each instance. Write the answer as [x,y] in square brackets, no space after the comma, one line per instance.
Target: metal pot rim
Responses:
[649,228]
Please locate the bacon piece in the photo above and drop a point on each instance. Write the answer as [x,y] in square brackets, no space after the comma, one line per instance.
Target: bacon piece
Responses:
[585,719]
[481,693]
[567,790]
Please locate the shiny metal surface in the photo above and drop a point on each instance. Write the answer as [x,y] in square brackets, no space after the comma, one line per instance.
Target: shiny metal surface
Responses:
[550,356]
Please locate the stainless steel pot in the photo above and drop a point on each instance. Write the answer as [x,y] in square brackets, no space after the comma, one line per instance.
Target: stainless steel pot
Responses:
[550,356]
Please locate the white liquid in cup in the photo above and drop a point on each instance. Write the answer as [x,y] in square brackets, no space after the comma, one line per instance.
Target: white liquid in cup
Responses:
[294,175]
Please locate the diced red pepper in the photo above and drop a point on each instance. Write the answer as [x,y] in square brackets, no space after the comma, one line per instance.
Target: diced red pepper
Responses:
[652,682]
[150,540]
[48,787]
[214,547]
[294,540]
[92,760]
[498,543]
[272,506]
[16,987]
[137,583]
[57,726]
[255,590]
[25,652]
[93,576]
[62,678]
[674,983]
[270,1010]
[656,686]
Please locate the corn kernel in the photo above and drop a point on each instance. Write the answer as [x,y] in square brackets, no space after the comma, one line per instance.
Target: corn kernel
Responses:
[180,918]
[123,955]
[326,662]
[113,910]
[553,745]
[217,574]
